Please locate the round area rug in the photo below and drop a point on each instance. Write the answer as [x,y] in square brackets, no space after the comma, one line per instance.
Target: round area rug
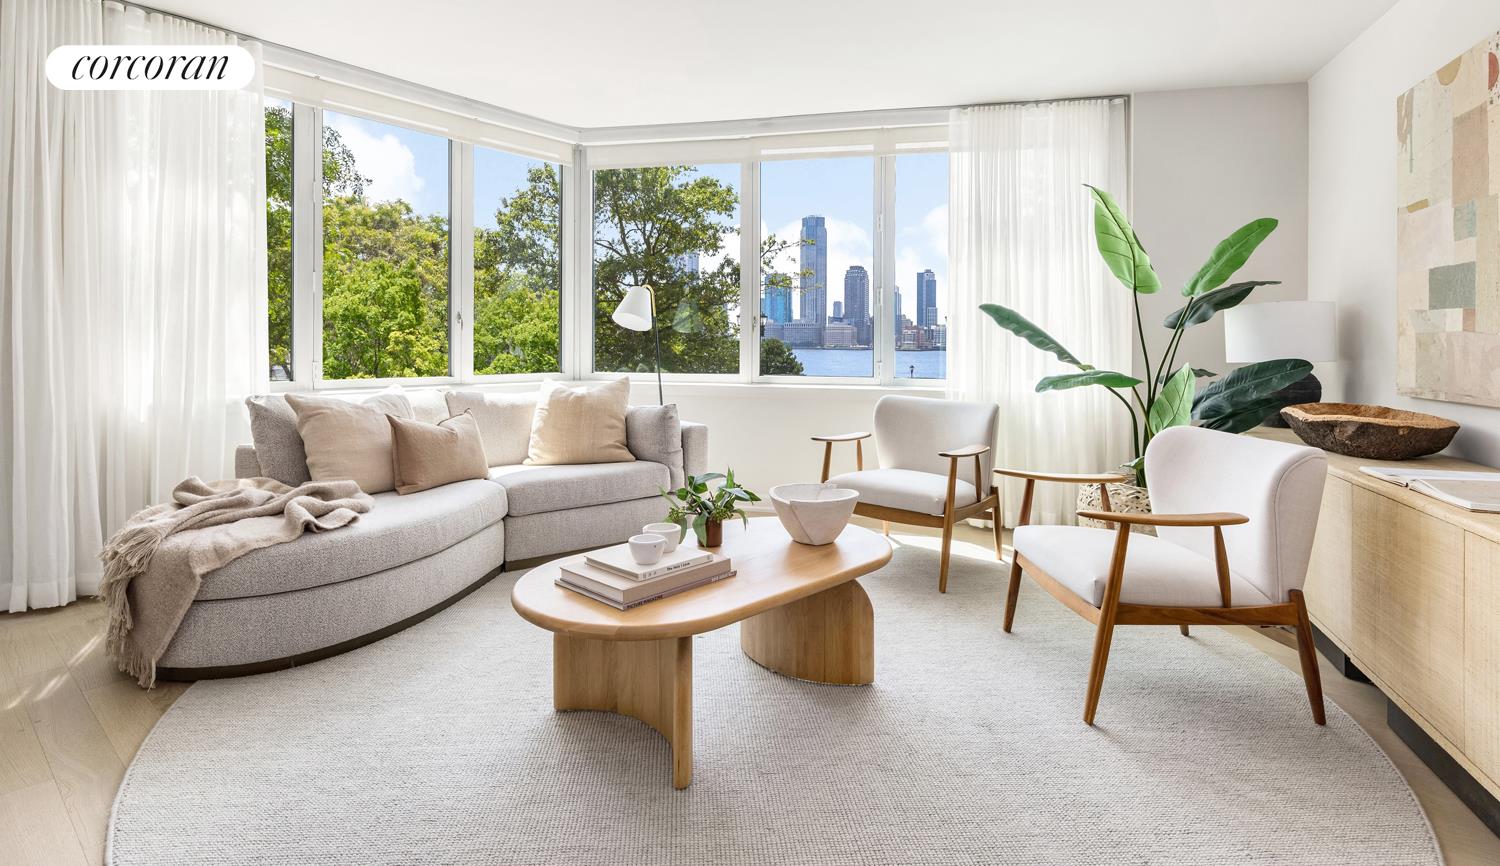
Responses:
[440,745]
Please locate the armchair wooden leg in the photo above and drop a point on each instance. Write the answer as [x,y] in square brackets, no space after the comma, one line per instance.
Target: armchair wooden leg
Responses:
[947,544]
[1012,592]
[1183,629]
[1310,675]
[1102,639]
[999,530]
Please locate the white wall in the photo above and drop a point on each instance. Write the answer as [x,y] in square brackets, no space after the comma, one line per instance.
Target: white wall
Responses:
[1352,195]
[1204,163]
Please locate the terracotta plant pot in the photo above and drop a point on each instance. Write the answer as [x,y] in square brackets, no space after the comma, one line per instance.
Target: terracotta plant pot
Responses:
[713,531]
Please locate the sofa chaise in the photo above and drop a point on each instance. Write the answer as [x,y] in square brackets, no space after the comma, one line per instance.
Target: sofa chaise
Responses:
[413,555]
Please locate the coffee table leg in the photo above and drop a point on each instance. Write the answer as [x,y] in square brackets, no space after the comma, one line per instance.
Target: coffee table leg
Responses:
[828,637]
[650,680]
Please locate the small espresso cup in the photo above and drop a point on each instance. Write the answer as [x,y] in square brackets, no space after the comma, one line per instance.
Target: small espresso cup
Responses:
[647,549]
[670,531]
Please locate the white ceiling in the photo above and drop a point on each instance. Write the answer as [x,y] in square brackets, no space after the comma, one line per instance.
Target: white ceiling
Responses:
[594,63]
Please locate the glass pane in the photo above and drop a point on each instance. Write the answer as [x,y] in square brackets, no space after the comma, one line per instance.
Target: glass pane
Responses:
[921,326]
[385,250]
[516,275]
[279,237]
[674,228]
[818,226]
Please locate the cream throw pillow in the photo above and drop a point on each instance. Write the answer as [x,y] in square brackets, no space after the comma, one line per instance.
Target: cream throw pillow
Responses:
[349,440]
[580,423]
[504,422]
[431,455]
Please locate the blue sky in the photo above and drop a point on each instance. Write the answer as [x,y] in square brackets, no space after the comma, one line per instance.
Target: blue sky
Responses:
[413,165]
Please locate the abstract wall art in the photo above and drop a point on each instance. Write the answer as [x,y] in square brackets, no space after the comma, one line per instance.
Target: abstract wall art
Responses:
[1448,231]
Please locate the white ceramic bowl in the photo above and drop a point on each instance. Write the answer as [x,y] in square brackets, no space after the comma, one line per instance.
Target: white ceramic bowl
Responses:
[647,548]
[813,513]
[670,531]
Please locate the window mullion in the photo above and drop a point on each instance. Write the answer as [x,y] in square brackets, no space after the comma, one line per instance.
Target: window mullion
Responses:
[750,275]
[307,247]
[461,260]
[884,261]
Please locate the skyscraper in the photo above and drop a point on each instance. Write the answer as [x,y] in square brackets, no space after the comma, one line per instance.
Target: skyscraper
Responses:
[687,264]
[896,319]
[776,302]
[838,309]
[927,298]
[857,302]
[813,262]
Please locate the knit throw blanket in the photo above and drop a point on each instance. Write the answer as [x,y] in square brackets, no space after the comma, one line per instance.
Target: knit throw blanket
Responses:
[154,565]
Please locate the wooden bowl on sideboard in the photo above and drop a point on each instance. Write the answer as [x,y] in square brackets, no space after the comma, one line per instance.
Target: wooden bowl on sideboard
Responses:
[1369,432]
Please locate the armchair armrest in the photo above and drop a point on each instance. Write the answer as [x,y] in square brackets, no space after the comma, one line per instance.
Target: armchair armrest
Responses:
[966,451]
[841,437]
[1212,518]
[1067,477]
[859,449]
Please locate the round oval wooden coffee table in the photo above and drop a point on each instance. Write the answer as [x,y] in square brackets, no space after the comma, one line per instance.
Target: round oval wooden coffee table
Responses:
[802,614]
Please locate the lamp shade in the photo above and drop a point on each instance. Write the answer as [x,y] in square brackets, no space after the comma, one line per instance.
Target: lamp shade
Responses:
[634,311]
[1281,329]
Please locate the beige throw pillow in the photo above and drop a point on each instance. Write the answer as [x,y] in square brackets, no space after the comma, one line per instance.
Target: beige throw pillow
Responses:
[580,423]
[431,455]
[504,422]
[349,440]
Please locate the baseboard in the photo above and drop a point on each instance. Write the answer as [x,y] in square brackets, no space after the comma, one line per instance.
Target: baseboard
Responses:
[1337,657]
[224,671]
[1468,789]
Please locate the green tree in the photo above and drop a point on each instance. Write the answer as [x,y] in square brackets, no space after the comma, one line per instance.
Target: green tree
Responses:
[777,359]
[517,280]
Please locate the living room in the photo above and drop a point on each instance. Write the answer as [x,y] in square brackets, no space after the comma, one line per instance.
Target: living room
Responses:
[816,433]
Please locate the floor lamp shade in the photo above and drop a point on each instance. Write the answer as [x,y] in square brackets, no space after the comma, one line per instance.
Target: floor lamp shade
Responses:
[635,310]
[1281,329]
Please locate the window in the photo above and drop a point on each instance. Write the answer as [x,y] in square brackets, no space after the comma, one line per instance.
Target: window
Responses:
[279,237]
[517,278]
[817,219]
[676,229]
[920,321]
[385,250]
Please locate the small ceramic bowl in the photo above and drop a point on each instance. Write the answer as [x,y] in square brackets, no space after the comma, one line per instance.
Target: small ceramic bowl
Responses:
[670,531]
[813,513]
[647,548]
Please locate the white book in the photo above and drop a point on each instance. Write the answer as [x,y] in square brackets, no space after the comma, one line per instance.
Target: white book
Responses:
[1404,477]
[1470,494]
[586,593]
[618,560]
[625,590]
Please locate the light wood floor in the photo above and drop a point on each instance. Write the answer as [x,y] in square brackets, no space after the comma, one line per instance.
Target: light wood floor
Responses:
[69,725]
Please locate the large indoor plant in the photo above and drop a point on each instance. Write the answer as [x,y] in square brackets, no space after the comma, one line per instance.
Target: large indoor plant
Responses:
[693,504]
[1168,396]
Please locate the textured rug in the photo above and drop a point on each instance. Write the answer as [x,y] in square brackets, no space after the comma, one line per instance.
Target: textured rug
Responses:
[439,745]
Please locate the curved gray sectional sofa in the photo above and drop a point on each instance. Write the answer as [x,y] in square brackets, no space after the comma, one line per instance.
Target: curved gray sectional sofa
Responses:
[413,555]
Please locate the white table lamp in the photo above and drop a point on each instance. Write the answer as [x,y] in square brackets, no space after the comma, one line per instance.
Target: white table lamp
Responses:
[1284,329]
[637,312]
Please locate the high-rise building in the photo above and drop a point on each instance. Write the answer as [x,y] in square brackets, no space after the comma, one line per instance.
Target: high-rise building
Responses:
[813,262]
[838,309]
[687,263]
[776,302]
[857,303]
[926,299]
[896,319]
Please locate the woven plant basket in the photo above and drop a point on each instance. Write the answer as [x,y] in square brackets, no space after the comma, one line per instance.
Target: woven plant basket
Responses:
[1122,497]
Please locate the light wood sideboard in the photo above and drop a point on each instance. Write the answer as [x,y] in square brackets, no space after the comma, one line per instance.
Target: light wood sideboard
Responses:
[1408,588]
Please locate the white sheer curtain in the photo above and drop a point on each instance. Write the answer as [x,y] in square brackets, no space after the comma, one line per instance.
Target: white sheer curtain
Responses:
[132,291]
[1021,234]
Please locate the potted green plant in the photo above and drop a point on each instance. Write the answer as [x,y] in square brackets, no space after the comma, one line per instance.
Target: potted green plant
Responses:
[1169,397]
[693,504]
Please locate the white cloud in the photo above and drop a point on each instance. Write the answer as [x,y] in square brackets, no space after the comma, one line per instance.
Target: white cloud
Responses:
[390,165]
[918,248]
[848,244]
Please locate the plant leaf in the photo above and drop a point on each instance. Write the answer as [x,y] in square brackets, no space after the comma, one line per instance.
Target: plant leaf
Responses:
[1198,373]
[1107,378]
[1121,249]
[1222,404]
[1019,325]
[700,528]
[1173,407]
[1246,416]
[1212,302]
[1229,256]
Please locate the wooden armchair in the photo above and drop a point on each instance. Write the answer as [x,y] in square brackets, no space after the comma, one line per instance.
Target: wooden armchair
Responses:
[922,444]
[1182,576]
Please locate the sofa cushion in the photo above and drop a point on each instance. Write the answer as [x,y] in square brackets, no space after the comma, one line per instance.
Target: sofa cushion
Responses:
[350,440]
[537,489]
[655,433]
[504,422]
[424,456]
[278,445]
[398,530]
[580,422]
[1157,572]
[905,489]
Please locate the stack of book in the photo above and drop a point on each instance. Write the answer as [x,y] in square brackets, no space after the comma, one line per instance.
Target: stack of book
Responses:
[611,576]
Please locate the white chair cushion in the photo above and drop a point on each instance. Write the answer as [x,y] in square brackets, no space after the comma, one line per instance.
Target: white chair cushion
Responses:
[1157,572]
[905,489]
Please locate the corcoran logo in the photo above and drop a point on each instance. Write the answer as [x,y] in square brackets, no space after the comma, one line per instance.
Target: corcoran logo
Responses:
[150,67]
